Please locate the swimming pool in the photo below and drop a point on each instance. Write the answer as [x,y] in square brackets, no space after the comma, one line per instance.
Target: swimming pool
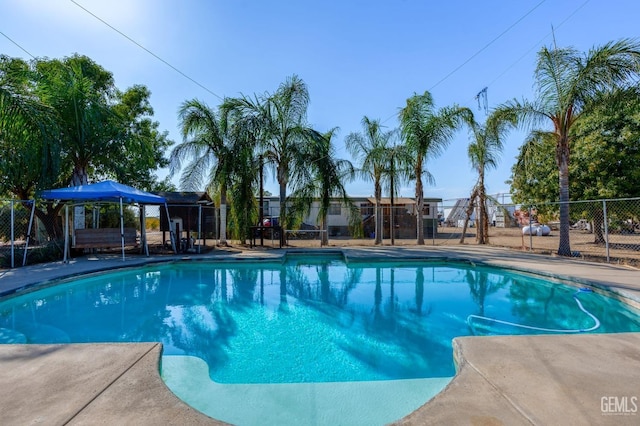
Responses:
[308,340]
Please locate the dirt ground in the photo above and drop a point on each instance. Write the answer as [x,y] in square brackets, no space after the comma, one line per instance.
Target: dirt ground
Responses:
[623,249]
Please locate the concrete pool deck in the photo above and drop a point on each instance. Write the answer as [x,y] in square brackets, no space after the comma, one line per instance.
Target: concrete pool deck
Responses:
[554,379]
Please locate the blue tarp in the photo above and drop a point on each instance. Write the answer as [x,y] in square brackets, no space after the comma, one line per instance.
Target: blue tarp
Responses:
[103,191]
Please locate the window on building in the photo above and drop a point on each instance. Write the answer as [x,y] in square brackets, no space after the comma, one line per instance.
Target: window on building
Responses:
[366,209]
[265,208]
[335,209]
[426,209]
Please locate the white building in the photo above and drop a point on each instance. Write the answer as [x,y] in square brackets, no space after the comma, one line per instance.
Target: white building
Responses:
[338,217]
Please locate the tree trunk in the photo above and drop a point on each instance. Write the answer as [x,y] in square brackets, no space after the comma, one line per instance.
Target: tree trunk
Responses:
[324,234]
[52,225]
[378,227]
[223,215]
[562,156]
[392,222]
[282,180]
[598,225]
[472,200]
[482,236]
[419,203]
[324,225]
[283,210]
[80,175]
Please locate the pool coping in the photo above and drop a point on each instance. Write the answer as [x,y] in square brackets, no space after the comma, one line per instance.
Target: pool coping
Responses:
[551,379]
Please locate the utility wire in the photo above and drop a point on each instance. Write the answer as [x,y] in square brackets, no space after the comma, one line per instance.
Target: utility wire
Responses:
[16,43]
[485,46]
[517,60]
[478,52]
[538,43]
[146,50]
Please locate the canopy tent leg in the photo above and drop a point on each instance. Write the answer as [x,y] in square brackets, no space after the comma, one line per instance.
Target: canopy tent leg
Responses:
[26,246]
[171,231]
[66,233]
[143,229]
[122,227]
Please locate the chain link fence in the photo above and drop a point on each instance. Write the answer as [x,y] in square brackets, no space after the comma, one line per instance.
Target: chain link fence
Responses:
[33,231]
[601,230]
[18,246]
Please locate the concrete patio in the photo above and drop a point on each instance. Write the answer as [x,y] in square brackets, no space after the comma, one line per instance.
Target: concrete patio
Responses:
[555,379]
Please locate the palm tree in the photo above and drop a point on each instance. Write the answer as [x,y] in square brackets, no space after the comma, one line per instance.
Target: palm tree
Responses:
[206,143]
[568,83]
[82,93]
[280,122]
[427,133]
[31,157]
[27,132]
[398,167]
[328,175]
[369,148]
[484,152]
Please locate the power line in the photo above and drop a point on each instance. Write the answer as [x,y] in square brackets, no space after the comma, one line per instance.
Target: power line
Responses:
[146,50]
[486,45]
[478,52]
[16,43]
[517,60]
[538,43]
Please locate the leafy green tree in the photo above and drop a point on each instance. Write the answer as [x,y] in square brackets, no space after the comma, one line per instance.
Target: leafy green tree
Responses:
[30,152]
[568,83]
[605,161]
[81,92]
[427,132]
[534,175]
[369,148]
[142,144]
[63,121]
[484,152]
[328,175]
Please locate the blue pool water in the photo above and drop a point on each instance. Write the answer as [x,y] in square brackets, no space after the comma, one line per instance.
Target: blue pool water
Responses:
[311,340]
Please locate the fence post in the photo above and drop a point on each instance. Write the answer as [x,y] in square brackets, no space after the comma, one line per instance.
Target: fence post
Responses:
[199,226]
[606,228]
[530,231]
[12,236]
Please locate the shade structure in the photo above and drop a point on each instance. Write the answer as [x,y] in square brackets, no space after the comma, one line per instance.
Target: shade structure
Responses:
[106,191]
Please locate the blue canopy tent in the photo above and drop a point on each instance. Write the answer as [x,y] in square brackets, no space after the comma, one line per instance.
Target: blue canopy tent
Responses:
[107,191]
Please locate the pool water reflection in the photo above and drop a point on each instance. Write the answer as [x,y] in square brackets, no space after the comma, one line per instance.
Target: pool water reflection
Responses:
[309,320]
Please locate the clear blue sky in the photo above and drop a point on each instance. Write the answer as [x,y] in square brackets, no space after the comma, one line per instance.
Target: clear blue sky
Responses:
[357,57]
